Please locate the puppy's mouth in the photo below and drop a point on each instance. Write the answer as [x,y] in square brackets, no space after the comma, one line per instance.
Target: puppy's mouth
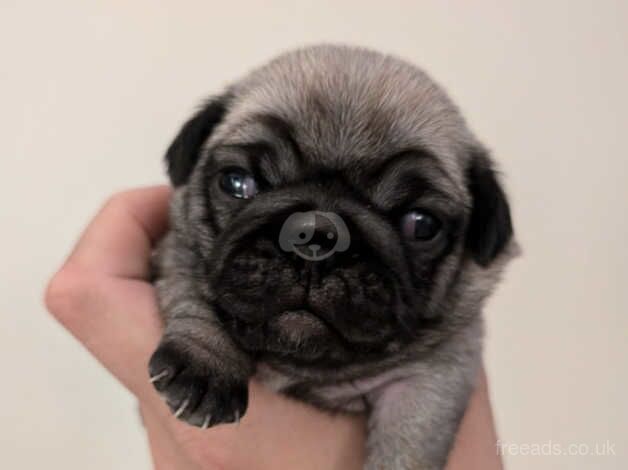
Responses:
[292,332]
[299,336]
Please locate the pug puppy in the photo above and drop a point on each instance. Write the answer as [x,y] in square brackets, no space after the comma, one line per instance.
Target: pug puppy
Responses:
[390,323]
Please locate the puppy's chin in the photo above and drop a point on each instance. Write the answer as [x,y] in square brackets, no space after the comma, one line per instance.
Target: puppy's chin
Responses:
[296,334]
[302,337]
[297,327]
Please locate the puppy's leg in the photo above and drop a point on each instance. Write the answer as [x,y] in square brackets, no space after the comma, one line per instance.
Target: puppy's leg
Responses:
[414,421]
[199,371]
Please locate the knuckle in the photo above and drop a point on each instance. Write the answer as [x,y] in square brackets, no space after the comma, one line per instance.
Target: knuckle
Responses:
[65,295]
[119,200]
[116,201]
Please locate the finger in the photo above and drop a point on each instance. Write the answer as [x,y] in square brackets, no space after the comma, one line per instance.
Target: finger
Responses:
[116,319]
[120,238]
[165,451]
[476,443]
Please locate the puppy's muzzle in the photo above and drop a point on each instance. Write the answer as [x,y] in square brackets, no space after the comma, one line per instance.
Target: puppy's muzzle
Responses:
[324,268]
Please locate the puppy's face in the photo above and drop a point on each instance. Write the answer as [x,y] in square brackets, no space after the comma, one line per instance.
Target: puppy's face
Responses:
[339,208]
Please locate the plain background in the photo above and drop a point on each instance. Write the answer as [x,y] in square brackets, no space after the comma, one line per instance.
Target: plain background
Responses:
[92,92]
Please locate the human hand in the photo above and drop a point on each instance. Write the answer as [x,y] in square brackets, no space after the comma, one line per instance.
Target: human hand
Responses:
[102,295]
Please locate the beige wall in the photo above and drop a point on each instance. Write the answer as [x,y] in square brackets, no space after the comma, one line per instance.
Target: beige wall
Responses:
[91,92]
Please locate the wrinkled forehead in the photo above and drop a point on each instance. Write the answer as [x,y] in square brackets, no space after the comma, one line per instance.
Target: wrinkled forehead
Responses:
[342,118]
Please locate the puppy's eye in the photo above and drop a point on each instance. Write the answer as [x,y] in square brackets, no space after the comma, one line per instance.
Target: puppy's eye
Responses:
[238,183]
[420,225]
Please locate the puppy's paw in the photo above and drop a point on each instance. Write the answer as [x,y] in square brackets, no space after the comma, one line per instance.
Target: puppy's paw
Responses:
[194,387]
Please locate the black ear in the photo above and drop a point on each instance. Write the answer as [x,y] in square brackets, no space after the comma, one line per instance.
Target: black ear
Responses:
[490,226]
[184,151]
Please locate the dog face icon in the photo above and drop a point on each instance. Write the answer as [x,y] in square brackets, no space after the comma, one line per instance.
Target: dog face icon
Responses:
[314,235]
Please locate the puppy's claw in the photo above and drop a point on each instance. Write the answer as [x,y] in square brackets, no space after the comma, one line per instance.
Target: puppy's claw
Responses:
[206,422]
[237,417]
[159,376]
[182,408]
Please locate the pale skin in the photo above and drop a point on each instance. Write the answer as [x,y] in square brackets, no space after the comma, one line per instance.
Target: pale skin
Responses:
[102,296]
